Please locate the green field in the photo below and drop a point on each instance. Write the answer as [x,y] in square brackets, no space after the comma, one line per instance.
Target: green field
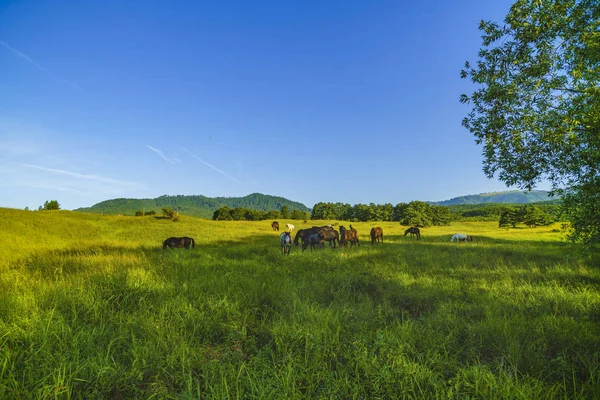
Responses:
[92,307]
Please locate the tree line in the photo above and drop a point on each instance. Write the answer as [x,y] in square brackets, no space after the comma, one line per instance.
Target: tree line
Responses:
[416,213]
[245,214]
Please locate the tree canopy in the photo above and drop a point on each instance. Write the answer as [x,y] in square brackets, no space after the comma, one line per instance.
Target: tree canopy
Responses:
[536,103]
[51,205]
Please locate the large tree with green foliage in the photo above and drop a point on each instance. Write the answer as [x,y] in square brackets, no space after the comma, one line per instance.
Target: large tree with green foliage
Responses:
[536,105]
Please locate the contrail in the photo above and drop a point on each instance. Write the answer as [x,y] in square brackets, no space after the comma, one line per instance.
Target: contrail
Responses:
[38,66]
[160,153]
[78,175]
[212,166]
[60,188]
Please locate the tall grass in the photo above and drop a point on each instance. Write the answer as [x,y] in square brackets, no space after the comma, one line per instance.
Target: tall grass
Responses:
[92,307]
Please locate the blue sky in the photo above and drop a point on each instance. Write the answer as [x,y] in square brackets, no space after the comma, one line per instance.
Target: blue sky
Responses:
[349,101]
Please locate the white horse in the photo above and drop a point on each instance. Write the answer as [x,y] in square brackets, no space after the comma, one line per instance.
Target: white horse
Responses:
[286,242]
[461,237]
[290,227]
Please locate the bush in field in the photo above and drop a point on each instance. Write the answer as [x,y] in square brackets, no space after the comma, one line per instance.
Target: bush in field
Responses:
[168,212]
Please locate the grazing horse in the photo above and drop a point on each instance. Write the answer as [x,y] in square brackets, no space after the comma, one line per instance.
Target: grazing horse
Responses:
[286,242]
[178,242]
[348,235]
[376,235]
[461,237]
[314,240]
[305,233]
[275,225]
[290,227]
[331,236]
[414,231]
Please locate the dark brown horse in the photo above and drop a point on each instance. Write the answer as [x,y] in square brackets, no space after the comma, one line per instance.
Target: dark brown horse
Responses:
[349,235]
[315,240]
[305,233]
[376,235]
[275,225]
[414,231]
[178,242]
[331,236]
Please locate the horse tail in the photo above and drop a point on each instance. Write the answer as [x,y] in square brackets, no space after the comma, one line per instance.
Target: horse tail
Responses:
[193,243]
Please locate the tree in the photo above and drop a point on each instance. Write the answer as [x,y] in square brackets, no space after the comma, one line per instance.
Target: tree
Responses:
[417,213]
[510,217]
[239,214]
[285,212]
[534,216]
[222,214]
[536,107]
[51,205]
[297,214]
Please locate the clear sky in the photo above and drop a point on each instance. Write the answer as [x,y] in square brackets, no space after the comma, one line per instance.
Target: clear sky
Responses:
[349,101]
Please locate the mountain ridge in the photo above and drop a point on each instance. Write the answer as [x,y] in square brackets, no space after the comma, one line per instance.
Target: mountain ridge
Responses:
[193,205]
[506,197]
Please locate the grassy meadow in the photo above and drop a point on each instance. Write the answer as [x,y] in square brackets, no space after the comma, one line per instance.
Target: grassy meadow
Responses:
[91,306]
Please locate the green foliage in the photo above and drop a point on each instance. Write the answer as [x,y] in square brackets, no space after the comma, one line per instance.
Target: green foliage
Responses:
[51,205]
[140,213]
[223,214]
[414,213]
[299,215]
[510,217]
[197,206]
[285,212]
[534,216]
[171,214]
[536,109]
[531,215]
[91,307]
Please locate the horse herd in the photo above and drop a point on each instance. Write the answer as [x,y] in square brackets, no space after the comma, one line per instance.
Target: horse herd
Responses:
[316,237]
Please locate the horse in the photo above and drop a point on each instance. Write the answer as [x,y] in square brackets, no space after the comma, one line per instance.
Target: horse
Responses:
[331,236]
[178,242]
[290,227]
[461,237]
[376,235]
[348,235]
[414,231]
[314,240]
[286,242]
[305,233]
[275,225]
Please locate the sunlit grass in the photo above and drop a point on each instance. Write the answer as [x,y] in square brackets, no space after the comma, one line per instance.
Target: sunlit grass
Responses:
[92,307]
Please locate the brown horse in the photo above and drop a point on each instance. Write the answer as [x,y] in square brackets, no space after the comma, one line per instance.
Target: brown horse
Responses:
[376,235]
[178,242]
[414,231]
[331,236]
[305,233]
[348,235]
[275,225]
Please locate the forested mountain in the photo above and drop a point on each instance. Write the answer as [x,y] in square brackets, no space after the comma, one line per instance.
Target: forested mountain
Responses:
[196,206]
[511,196]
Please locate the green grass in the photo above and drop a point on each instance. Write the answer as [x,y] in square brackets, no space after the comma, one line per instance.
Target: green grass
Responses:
[92,307]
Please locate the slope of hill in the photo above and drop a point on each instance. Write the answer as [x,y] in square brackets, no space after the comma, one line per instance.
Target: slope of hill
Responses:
[511,196]
[197,206]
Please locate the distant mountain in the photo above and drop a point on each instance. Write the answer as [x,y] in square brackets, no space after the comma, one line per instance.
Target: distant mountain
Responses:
[511,196]
[196,206]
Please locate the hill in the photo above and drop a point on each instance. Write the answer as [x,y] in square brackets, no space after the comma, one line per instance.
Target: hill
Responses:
[196,206]
[511,197]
